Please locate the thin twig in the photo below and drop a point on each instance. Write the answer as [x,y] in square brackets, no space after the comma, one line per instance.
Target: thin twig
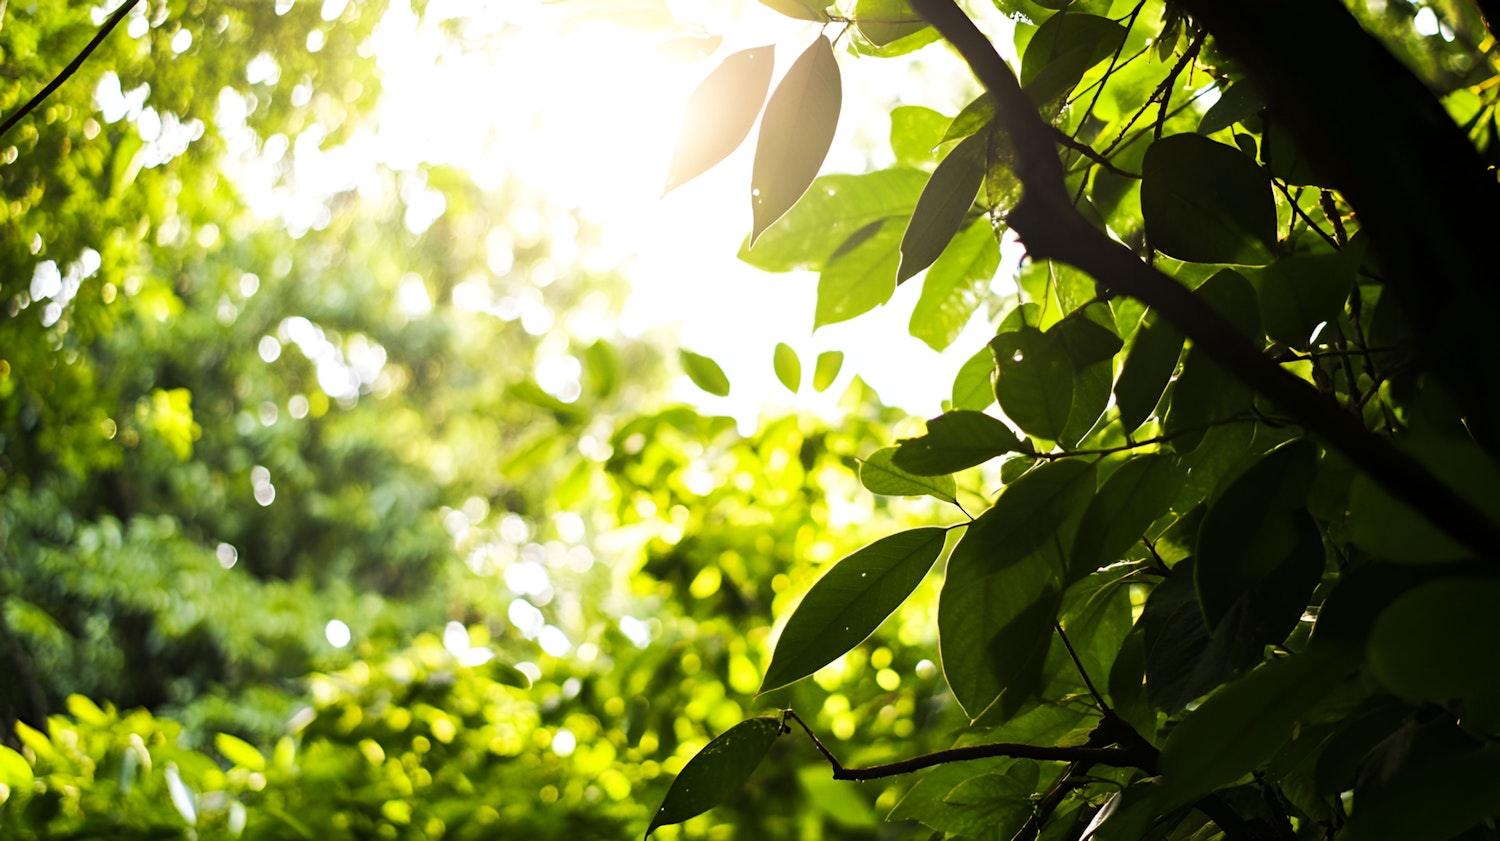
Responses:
[1082,672]
[1089,152]
[67,72]
[1298,211]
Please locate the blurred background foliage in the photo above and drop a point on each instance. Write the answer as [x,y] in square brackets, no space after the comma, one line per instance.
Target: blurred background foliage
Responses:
[352,513]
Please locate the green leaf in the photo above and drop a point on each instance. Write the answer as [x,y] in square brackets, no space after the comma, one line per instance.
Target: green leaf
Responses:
[704,372]
[980,112]
[1437,793]
[1299,293]
[955,441]
[788,367]
[1239,101]
[1179,666]
[717,771]
[974,385]
[1063,48]
[15,772]
[1149,364]
[944,203]
[916,133]
[1205,202]
[850,601]
[1088,337]
[834,209]
[720,113]
[1246,722]
[992,805]
[1204,393]
[795,134]
[956,284]
[1001,593]
[240,752]
[1440,643]
[827,369]
[884,22]
[1390,529]
[881,476]
[859,279]
[1134,496]
[1259,549]
[1033,381]
[799,9]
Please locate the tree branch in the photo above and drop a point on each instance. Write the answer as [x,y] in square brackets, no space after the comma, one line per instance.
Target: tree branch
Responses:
[1142,756]
[67,72]
[1052,228]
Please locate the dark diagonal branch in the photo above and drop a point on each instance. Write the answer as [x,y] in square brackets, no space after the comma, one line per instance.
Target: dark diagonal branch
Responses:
[67,72]
[1141,756]
[1052,228]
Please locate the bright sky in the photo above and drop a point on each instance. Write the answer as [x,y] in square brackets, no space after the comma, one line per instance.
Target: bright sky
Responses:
[587,111]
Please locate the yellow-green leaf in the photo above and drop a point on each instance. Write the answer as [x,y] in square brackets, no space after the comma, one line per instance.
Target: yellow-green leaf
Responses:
[788,367]
[705,373]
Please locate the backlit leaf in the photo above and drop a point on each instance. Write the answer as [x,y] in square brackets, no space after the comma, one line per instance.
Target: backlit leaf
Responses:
[1063,48]
[944,202]
[861,278]
[717,771]
[850,601]
[1238,101]
[916,133]
[15,771]
[1131,499]
[832,211]
[827,369]
[795,134]
[1206,202]
[886,21]
[720,113]
[788,367]
[954,441]
[240,752]
[879,475]
[1033,381]
[955,286]
[974,385]
[799,9]
[704,372]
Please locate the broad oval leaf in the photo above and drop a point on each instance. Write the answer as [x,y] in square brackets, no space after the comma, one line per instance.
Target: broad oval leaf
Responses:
[795,134]
[15,771]
[1000,596]
[954,441]
[955,286]
[799,9]
[704,372]
[944,202]
[717,771]
[850,601]
[916,133]
[1239,101]
[1033,381]
[721,112]
[1132,498]
[240,752]
[1149,363]
[1440,643]
[1063,48]
[1205,202]
[1259,548]
[827,369]
[1301,292]
[860,276]
[836,208]
[788,367]
[881,476]
[974,385]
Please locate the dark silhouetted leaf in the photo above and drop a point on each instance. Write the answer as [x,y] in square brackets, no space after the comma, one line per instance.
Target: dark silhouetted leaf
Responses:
[850,601]
[955,286]
[1205,202]
[1149,364]
[1088,338]
[1299,293]
[1063,48]
[1440,643]
[954,441]
[795,134]
[827,369]
[705,373]
[1131,499]
[1033,381]
[880,475]
[720,112]
[944,202]
[1238,101]
[717,771]
[788,367]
